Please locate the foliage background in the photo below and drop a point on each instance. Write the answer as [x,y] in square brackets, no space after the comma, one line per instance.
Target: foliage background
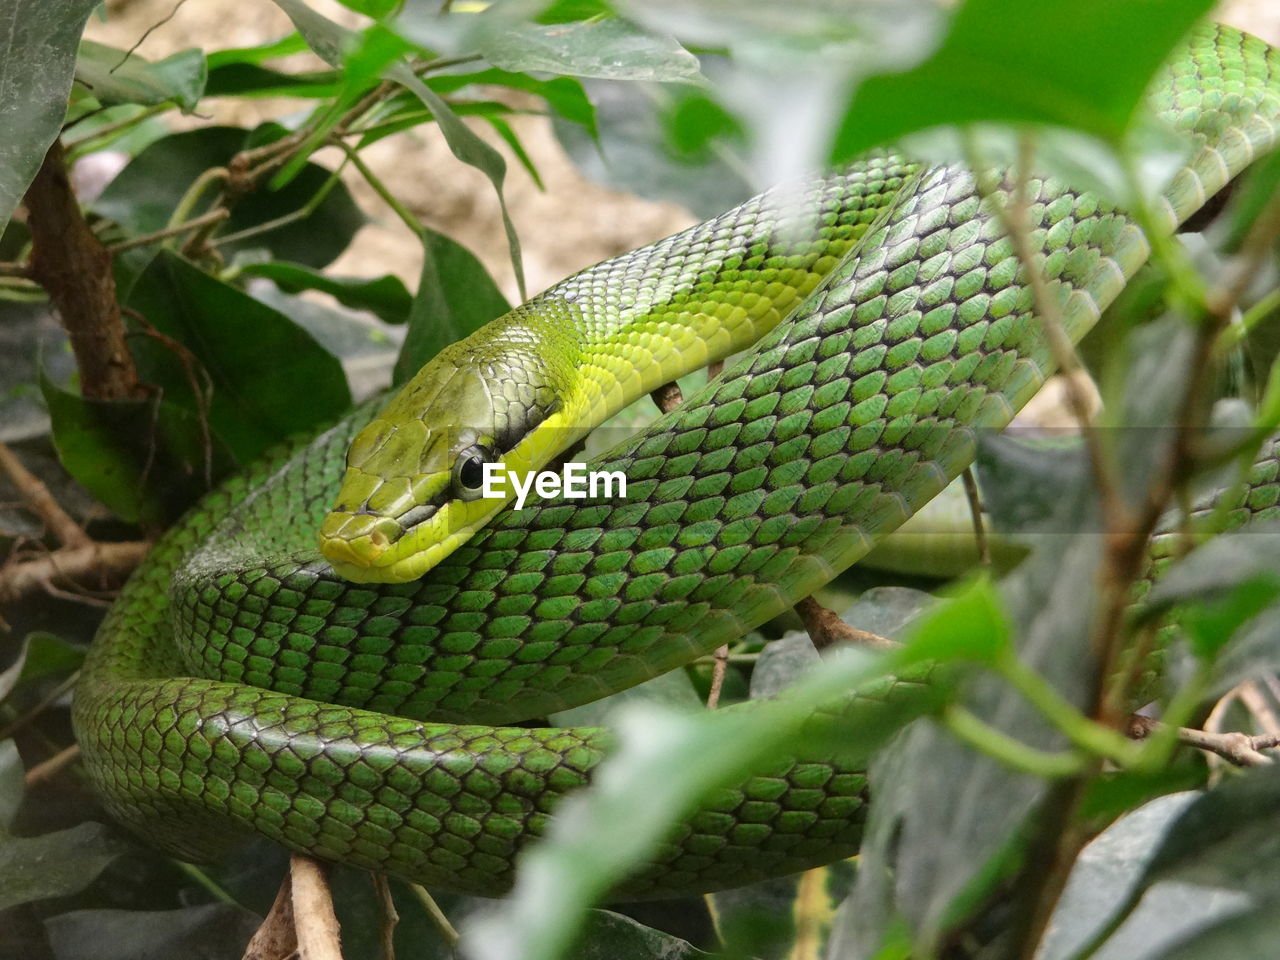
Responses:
[74,889]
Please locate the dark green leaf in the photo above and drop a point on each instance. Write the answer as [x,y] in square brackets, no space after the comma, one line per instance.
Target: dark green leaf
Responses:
[114,76]
[385,296]
[631,154]
[1258,188]
[1248,935]
[1227,837]
[55,864]
[41,655]
[251,80]
[564,95]
[1092,62]
[38,41]
[663,762]
[146,460]
[694,121]
[608,49]
[143,197]
[611,936]
[456,296]
[211,931]
[285,46]
[270,378]
[467,146]
[328,40]
[1103,876]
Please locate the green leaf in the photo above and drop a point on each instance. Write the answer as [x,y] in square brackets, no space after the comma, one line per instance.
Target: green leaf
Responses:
[1251,935]
[385,296]
[114,76]
[210,930]
[55,864]
[145,460]
[611,936]
[38,41]
[1227,837]
[608,49]
[328,40]
[664,761]
[251,80]
[631,152]
[41,655]
[143,197]
[1104,875]
[270,378]
[972,625]
[456,296]
[564,95]
[1083,64]
[467,146]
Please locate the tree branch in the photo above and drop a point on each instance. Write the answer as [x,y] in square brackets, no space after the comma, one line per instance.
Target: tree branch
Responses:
[75,269]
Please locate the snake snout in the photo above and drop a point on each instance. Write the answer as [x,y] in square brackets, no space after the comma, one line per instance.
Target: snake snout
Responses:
[357,539]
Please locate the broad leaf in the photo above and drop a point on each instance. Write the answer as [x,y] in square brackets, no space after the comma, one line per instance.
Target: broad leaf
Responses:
[384,296]
[269,376]
[456,296]
[608,49]
[38,42]
[114,76]
[55,864]
[1090,63]
[210,930]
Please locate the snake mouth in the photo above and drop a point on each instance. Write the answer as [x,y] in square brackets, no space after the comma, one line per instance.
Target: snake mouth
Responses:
[366,548]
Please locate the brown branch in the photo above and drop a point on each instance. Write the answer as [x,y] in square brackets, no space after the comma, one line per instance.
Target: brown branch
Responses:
[668,396]
[73,266]
[1239,748]
[826,629]
[276,939]
[387,915]
[719,668]
[108,563]
[41,501]
[52,767]
[315,922]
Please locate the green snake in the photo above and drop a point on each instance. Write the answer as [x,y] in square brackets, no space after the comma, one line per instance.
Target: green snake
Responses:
[240,686]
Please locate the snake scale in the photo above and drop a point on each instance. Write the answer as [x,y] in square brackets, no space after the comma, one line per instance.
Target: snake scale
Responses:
[239,686]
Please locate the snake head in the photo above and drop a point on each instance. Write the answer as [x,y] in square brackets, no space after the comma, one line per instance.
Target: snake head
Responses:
[413,490]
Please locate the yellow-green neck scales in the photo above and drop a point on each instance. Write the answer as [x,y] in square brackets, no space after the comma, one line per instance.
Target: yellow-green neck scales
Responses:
[525,388]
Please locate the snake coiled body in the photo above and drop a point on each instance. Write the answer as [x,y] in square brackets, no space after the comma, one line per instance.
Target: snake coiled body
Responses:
[239,686]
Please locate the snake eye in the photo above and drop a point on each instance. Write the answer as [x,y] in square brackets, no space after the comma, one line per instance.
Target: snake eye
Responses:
[468,470]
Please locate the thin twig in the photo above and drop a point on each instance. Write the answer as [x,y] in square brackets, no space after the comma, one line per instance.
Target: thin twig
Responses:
[1239,748]
[41,501]
[975,513]
[213,216]
[719,667]
[50,768]
[447,931]
[110,563]
[826,629]
[47,701]
[387,916]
